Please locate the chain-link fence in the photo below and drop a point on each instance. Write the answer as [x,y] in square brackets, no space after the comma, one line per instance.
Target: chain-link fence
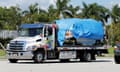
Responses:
[4,34]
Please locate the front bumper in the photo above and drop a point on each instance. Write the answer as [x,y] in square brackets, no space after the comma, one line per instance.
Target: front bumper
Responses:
[19,55]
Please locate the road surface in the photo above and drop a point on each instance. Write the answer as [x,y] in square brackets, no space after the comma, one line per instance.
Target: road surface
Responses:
[100,65]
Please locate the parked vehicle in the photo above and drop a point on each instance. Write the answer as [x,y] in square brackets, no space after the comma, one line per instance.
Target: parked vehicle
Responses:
[117,53]
[64,40]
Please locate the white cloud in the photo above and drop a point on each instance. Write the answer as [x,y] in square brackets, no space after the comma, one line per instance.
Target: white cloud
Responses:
[52,2]
[119,4]
[8,3]
[114,3]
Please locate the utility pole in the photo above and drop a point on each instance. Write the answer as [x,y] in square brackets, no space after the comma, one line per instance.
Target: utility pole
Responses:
[38,8]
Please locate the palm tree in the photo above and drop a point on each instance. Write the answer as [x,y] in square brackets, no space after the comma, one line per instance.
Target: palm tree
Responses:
[33,8]
[95,11]
[74,10]
[52,14]
[115,25]
[34,14]
[27,14]
[115,14]
[61,7]
[62,10]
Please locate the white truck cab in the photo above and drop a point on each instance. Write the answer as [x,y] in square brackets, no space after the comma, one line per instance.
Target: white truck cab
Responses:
[22,46]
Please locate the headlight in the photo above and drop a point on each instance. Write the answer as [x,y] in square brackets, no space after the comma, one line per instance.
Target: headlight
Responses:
[30,48]
[8,46]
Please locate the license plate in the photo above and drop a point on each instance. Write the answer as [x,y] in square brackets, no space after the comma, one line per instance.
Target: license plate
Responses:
[14,54]
[67,54]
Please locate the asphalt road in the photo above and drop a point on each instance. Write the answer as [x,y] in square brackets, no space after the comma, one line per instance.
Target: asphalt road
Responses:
[100,65]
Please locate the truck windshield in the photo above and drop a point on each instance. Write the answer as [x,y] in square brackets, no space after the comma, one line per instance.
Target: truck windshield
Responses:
[29,32]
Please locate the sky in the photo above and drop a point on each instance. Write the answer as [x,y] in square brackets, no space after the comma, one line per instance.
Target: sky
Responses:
[23,4]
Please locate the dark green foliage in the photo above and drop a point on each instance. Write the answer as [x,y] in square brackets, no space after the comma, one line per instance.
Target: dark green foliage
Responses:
[4,41]
[115,14]
[113,32]
[95,11]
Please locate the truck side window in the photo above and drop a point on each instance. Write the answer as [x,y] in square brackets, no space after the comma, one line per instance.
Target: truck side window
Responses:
[48,31]
[45,32]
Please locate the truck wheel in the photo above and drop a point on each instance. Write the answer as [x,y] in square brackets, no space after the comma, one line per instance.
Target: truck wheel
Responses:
[86,57]
[93,57]
[38,57]
[13,60]
[117,59]
[64,60]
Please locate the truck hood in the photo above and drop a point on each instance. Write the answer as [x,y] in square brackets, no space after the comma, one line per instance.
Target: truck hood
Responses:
[27,39]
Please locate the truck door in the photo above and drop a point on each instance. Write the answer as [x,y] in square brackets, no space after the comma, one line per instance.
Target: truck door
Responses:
[48,34]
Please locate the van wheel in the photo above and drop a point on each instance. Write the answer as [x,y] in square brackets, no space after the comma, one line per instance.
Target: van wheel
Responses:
[13,60]
[38,57]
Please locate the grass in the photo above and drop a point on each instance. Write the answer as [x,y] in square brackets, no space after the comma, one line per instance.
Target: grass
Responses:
[2,52]
[110,52]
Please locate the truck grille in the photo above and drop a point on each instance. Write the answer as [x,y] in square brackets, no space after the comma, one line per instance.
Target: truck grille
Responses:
[16,45]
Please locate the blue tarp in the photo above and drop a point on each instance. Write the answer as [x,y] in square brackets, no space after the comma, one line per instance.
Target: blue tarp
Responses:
[80,28]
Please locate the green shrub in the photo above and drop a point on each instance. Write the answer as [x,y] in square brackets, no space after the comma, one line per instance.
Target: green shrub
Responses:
[2,52]
[5,41]
[111,50]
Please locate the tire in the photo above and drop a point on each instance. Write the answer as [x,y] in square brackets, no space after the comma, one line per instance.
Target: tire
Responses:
[13,60]
[38,58]
[64,60]
[117,59]
[99,53]
[93,57]
[86,57]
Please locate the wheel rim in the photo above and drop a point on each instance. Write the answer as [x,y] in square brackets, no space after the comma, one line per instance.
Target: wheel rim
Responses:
[39,57]
[88,57]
